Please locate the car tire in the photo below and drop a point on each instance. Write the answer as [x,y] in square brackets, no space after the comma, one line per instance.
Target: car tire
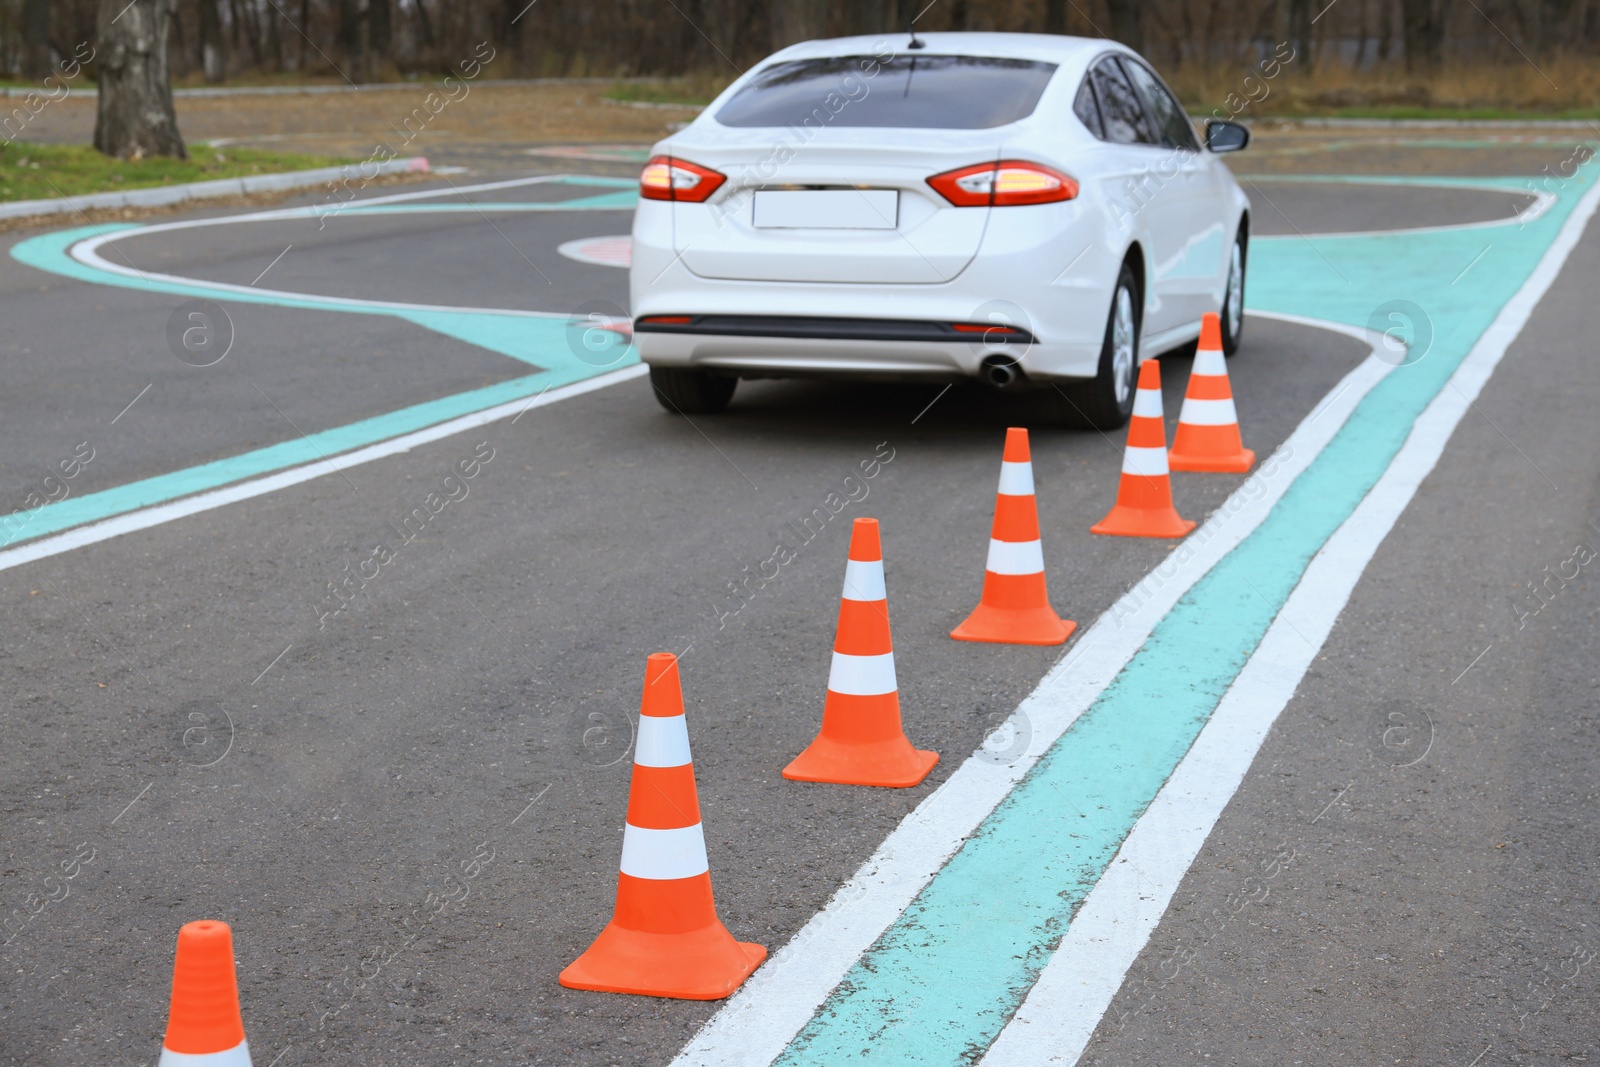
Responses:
[1105,401]
[691,392]
[1232,313]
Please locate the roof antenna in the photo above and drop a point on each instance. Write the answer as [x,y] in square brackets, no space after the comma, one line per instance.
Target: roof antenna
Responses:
[911,28]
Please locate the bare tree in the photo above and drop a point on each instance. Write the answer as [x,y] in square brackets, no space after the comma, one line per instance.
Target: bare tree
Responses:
[35,39]
[1422,26]
[380,31]
[213,60]
[136,117]
[1296,29]
[349,36]
[1055,16]
[1126,25]
[797,20]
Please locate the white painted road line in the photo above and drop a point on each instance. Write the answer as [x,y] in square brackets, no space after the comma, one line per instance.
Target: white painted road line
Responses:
[216,498]
[1061,1012]
[758,1022]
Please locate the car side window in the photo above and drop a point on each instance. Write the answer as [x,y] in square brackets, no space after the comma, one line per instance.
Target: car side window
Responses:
[1120,110]
[1088,110]
[1176,131]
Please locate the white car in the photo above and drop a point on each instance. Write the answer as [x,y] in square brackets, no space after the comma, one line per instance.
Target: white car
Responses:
[1009,207]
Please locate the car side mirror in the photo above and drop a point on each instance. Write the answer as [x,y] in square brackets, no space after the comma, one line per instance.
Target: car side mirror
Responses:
[1226,136]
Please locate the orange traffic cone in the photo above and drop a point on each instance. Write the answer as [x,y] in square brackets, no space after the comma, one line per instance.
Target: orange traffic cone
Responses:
[204,1026]
[1015,607]
[862,741]
[1207,438]
[1144,499]
[664,939]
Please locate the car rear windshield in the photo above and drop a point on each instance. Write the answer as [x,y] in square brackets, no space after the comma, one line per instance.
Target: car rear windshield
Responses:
[918,92]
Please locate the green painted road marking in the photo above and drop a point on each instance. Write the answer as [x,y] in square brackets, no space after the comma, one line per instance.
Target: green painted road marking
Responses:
[943,980]
[564,352]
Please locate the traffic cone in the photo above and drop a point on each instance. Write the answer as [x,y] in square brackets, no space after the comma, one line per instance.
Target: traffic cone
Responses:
[1015,606]
[1144,499]
[204,1026]
[862,741]
[1207,438]
[664,939]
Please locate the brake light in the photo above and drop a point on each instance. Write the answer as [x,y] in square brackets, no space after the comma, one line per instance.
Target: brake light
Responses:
[1008,183]
[670,178]
[666,320]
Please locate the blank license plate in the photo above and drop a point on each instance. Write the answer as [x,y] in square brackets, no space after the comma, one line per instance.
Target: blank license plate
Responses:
[827,209]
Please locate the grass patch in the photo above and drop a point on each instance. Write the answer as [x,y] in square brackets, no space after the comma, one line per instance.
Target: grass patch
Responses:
[40,171]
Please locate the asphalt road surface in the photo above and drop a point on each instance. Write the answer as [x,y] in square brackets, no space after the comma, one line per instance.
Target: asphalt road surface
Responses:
[198,727]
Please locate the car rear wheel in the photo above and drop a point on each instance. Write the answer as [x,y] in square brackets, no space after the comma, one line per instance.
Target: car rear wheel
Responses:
[691,392]
[1233,296]
[1106,401]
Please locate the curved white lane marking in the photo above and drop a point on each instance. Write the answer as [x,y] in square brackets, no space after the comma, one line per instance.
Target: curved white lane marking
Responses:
[87,252]
[1542,202]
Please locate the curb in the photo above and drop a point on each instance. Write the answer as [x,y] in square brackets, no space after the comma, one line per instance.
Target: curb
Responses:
[175,194]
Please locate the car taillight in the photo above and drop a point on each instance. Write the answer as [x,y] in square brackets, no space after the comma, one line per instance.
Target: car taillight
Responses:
[670,178]
[1008,183]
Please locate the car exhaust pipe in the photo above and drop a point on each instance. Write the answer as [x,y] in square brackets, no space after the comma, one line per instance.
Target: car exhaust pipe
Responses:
[998,372]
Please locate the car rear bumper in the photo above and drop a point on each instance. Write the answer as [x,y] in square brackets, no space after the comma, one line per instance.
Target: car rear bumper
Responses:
[758,356]
[879,330]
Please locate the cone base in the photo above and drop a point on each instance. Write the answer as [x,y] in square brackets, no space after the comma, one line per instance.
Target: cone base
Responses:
[1238,463]
[1015,626]
[704,964]
[888,764]
[1142,522]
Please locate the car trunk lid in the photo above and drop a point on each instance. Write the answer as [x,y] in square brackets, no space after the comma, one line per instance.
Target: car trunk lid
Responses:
[876,220]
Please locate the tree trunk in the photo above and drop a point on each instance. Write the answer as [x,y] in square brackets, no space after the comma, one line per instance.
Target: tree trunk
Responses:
[136,117]
[244,16]
[868,16]
[1125,23]
[797,20]
[349,37]
[1422,27]
[509,31]
[213,60]
[35,39]
[1299,34]
[303,35]
[275,39]
[1055,16]
[380,31]
[425,25]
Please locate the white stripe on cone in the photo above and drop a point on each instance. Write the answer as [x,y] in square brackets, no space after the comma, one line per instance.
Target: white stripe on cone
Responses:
[1146,461]
[1015,557]
[1147,403]
[663,741]
[1016,479]
[1208,412]
[862,676]
[1211,363]
[237,1056]
[664,854]
[863,580]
